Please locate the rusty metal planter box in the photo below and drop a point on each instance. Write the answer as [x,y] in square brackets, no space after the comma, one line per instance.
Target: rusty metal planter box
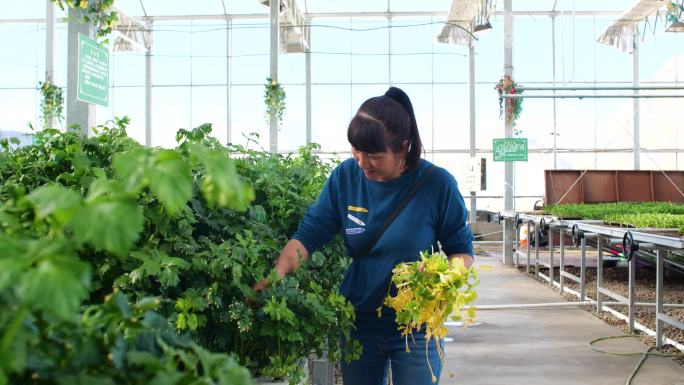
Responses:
[597,186]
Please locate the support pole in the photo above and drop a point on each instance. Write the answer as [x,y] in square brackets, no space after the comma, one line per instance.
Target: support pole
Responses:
[631,294]
[275,26]
[471,99]
[635,102]
[78,113]
[583,270]
[553,80]
[229,133]
[308,92]
[508,183]
[148,90]
[49,51]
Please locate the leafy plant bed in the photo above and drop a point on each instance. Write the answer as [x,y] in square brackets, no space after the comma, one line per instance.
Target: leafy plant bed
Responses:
[647,214]
[121,263]
[616,280]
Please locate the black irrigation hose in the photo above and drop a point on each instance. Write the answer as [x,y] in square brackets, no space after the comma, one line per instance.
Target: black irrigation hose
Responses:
[643,354]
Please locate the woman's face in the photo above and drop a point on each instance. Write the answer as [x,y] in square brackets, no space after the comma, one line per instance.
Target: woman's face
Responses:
[380,166]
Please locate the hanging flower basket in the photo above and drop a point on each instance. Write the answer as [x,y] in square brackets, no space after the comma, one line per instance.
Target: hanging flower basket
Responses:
[274,99]
[513,106]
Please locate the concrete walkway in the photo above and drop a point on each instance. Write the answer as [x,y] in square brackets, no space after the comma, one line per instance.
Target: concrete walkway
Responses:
[541,346]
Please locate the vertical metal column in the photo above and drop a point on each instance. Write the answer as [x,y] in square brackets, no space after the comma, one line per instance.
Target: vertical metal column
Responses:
[583,270]
[389,49]
[536,249]
[631,294]
[635,102]
[508,239]
[553,83]
[79,113]
[308,93]
[471,100]
[49,51]
[561,269]
[275,26]
[517,245]
[229,128]
[508,182]
[659,299]
[599,276]
[148,89]
[529,240]
[551,277]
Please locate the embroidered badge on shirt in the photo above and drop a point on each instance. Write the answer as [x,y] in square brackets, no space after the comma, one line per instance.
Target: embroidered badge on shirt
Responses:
[357,209]
[355,220]
[355,230]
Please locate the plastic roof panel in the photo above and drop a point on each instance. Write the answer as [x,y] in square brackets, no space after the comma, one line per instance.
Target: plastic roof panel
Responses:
[35,9]
[324,6]
[131,8]
[170,8]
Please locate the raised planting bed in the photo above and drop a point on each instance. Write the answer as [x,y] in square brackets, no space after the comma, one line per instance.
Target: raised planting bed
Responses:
[662,218]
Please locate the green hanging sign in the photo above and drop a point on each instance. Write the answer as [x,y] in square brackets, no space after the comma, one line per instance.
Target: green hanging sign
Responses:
[510,150]
[93,72]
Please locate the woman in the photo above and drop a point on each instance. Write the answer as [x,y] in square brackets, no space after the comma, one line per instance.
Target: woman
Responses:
[359,196]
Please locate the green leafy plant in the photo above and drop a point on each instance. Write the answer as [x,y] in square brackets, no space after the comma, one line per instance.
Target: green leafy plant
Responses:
[513,106]
[51,103]
[645,214]
[99,13]
[72,212]
[274,99]
[194,227]
[674,12]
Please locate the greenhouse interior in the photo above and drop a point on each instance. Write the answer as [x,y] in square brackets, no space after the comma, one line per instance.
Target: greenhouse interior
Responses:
[342,193]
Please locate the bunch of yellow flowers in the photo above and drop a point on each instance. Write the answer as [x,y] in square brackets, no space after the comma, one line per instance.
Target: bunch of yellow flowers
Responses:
[428,292]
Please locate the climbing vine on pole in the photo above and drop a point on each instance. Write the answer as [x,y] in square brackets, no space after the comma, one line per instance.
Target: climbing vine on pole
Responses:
[100,13]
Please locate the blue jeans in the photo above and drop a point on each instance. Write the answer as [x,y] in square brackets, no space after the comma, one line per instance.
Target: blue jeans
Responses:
[385,348]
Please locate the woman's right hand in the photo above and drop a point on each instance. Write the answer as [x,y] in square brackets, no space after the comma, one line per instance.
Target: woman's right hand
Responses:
[261,285]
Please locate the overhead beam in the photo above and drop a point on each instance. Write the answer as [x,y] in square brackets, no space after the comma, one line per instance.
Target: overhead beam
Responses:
[327,15]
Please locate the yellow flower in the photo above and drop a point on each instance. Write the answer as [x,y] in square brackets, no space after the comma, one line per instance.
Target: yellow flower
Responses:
[83,4]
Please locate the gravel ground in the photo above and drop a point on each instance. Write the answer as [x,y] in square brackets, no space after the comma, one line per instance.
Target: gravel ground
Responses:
[616,279]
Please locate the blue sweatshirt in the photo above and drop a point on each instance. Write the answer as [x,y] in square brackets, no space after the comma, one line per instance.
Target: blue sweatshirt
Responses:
[358,207]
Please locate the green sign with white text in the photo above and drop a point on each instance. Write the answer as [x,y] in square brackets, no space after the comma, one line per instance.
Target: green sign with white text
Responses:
[93,72]
[510,150]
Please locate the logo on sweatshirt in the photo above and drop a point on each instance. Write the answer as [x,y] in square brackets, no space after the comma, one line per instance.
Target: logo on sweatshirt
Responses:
[357,209]
[355,220]
[355,230]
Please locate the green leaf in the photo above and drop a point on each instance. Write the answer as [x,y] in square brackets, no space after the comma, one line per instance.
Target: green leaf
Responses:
[130,168]
[180,322]
[143,359]
[167,377]
[55,200]
[168,277]
[81,163]
[278,310]
[170,180]
[151,265]
[84,379]
[221,184]
[57,285]
[113,226]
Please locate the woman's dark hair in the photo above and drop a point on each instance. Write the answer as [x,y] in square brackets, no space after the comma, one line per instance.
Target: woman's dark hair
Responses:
[386,122]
